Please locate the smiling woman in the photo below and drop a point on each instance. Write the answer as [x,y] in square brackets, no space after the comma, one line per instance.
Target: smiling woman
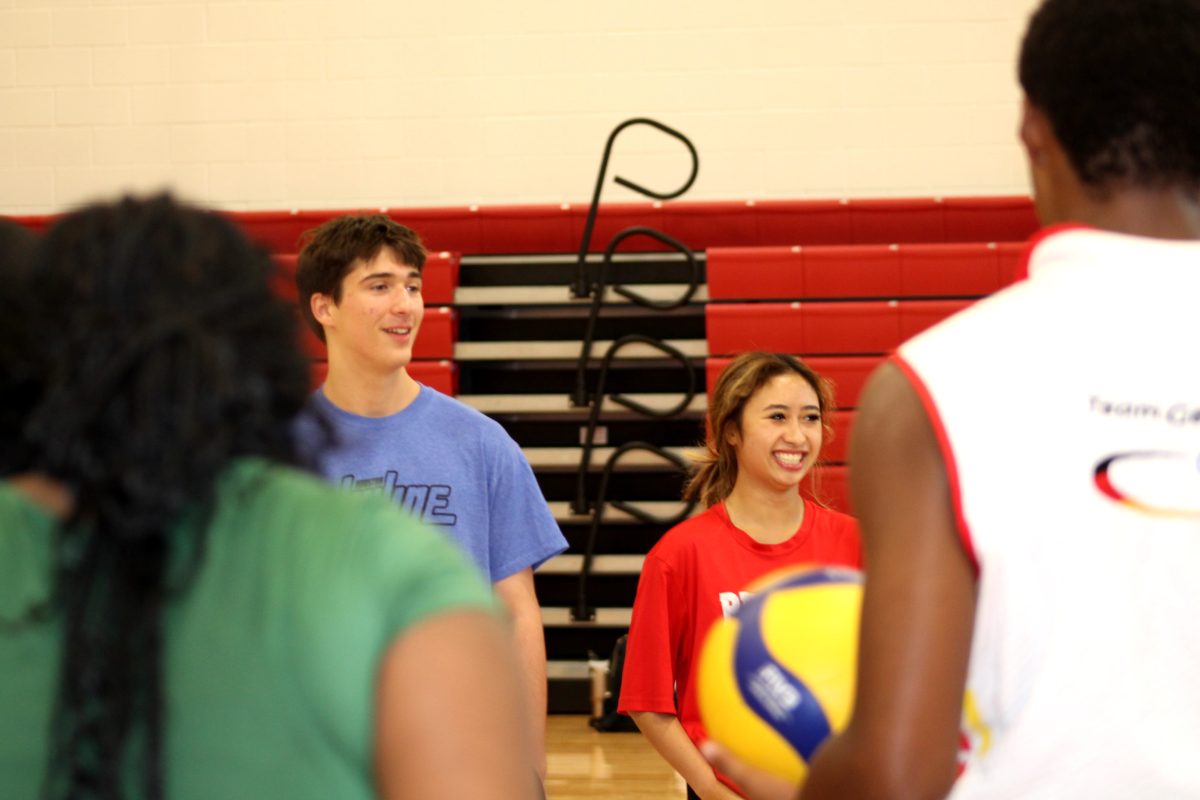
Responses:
[767,422]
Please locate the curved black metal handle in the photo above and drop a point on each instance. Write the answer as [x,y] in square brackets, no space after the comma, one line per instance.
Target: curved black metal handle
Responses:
[583,611]
[642,300]
[580,504]
[580,288]
[579,397]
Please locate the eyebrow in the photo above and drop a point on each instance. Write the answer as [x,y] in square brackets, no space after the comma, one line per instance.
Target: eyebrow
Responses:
[374,276]
[785,407]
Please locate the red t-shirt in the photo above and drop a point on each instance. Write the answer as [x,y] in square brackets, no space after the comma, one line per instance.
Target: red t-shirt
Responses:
[690,578]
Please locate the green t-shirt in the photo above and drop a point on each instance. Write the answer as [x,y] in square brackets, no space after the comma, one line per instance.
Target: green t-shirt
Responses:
[271,652]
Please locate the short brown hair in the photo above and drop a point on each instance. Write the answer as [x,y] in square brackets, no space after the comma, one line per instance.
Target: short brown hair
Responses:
[717,468]
[331,250]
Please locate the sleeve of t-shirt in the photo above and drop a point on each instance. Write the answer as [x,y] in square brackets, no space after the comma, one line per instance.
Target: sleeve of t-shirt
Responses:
[523,532]
[648,679]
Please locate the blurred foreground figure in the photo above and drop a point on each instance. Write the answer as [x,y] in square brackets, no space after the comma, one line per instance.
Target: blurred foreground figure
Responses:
[1027,474]
[181,614]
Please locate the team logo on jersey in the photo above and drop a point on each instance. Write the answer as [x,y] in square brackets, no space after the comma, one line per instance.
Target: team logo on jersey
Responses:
[1159,483]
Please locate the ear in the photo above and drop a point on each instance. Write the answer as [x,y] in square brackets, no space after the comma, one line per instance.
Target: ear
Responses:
[733,436]
[322,307]
[1036,134]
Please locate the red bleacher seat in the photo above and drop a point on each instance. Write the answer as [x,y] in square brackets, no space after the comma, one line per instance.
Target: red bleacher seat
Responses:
[917,315]
[454,228]
[851,271]
[710,224]
[895,220]
[614,218]
[526,229]
[803,222]
[834,483]
[698,224]
[857,327]
[848,374]
[1011,259]
[754,273]
[439,278]
[866,327]
[280,231]
[836,449]
[861,271]
[283,279]
[989,219]
[737,327]
[939,270]
[441,375]
[438,333]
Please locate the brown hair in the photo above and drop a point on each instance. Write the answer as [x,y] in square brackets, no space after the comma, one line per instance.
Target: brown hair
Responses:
[716,468]
[331,250]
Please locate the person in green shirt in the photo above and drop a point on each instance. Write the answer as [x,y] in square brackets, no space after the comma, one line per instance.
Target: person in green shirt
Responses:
[184,615]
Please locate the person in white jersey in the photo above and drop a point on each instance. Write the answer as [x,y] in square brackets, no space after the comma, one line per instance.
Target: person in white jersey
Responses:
[1027,474]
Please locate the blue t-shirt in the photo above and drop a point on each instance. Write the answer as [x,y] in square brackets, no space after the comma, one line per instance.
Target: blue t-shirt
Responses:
[448,465]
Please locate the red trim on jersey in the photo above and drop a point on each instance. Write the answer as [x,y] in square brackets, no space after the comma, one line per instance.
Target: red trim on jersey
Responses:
[1040,236]
[939,430]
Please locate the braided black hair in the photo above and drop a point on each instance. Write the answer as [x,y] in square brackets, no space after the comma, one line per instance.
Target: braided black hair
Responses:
[167,356]
[1119,81]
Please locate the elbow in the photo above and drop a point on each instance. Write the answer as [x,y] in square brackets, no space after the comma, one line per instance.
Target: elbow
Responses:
[911,779]
[886,771]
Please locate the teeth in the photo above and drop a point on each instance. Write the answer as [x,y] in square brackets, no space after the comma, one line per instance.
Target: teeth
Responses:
[398,330]
[790,459]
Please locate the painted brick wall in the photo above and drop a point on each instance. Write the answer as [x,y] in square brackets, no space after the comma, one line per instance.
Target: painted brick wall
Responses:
[249,104]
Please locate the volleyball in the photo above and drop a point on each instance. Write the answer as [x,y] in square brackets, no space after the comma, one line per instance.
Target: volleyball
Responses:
[776,678]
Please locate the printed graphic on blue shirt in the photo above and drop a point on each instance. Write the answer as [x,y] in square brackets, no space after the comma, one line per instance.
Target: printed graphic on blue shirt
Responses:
[429,503]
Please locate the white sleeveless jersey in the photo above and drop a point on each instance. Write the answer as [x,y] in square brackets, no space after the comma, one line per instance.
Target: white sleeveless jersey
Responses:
[1068,408]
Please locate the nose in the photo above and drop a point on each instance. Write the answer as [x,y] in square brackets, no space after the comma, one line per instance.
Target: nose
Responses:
[402,301]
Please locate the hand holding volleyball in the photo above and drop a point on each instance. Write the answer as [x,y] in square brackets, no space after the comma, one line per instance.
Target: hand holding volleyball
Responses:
[777,678]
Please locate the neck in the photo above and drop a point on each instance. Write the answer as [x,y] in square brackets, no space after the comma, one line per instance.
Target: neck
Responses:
[768,515]
[1159,214]
[44,492]
[370,394]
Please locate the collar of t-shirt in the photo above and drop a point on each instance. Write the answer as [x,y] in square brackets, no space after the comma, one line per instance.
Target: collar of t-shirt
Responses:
[795,541]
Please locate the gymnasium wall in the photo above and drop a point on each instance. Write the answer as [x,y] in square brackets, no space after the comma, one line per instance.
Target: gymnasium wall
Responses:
[277,104]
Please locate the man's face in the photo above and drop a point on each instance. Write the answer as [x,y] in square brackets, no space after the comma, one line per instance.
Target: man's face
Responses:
[374,326]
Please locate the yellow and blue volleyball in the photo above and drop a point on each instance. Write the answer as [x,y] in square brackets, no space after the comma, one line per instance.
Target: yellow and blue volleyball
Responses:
[776,678]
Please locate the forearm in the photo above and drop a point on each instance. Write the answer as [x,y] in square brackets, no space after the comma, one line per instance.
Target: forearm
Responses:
[449,686]
[529,640]
[666,735]
[836,772]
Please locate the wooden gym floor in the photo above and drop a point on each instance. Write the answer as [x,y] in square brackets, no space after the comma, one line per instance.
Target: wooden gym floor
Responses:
[584,763]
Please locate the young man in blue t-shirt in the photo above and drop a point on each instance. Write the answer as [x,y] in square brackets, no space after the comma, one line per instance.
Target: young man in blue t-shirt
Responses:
[359,281]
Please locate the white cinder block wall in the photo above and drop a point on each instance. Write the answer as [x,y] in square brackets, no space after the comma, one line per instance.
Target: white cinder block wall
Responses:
[278,104]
